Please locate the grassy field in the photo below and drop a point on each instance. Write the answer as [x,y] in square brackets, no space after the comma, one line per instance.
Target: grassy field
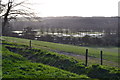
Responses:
[109,53]
[21,62]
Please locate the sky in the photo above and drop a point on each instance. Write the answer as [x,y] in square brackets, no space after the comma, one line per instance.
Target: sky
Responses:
[85,8]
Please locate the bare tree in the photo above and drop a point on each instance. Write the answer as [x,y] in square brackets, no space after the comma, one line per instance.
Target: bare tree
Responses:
[10,12]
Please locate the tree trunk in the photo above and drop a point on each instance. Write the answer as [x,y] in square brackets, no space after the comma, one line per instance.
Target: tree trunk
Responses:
[5,21]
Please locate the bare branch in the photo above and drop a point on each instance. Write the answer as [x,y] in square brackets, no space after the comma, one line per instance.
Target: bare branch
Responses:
[18,4]
[26,7]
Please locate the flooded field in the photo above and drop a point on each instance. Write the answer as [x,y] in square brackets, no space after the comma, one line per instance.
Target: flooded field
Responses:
[78,34]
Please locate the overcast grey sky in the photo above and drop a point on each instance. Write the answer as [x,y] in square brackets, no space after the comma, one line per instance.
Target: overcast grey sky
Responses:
[74,7]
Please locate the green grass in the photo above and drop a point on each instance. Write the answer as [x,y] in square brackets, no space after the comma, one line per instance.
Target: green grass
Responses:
[21,62]
[0,60]
[16,66]
[95,52]
[47,57]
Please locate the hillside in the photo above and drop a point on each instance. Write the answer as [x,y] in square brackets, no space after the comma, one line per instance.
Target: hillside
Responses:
[39,62]
[74,23]
[17,66]
[109,53]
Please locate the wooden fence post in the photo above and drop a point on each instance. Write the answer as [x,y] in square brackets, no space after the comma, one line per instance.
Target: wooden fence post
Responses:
[101,54]
[30,45]
[86,61]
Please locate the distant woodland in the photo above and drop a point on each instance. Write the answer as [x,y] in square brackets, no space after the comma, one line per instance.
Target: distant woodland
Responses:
[73,23]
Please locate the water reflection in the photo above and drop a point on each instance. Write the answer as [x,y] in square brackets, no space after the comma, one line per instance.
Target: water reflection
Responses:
[80,34]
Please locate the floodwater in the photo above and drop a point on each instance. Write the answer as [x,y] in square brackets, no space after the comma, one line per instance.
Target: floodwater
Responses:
[81,34]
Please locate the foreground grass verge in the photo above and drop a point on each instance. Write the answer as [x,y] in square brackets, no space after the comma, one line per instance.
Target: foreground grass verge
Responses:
[0,61]
[16,66]
[63,62]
